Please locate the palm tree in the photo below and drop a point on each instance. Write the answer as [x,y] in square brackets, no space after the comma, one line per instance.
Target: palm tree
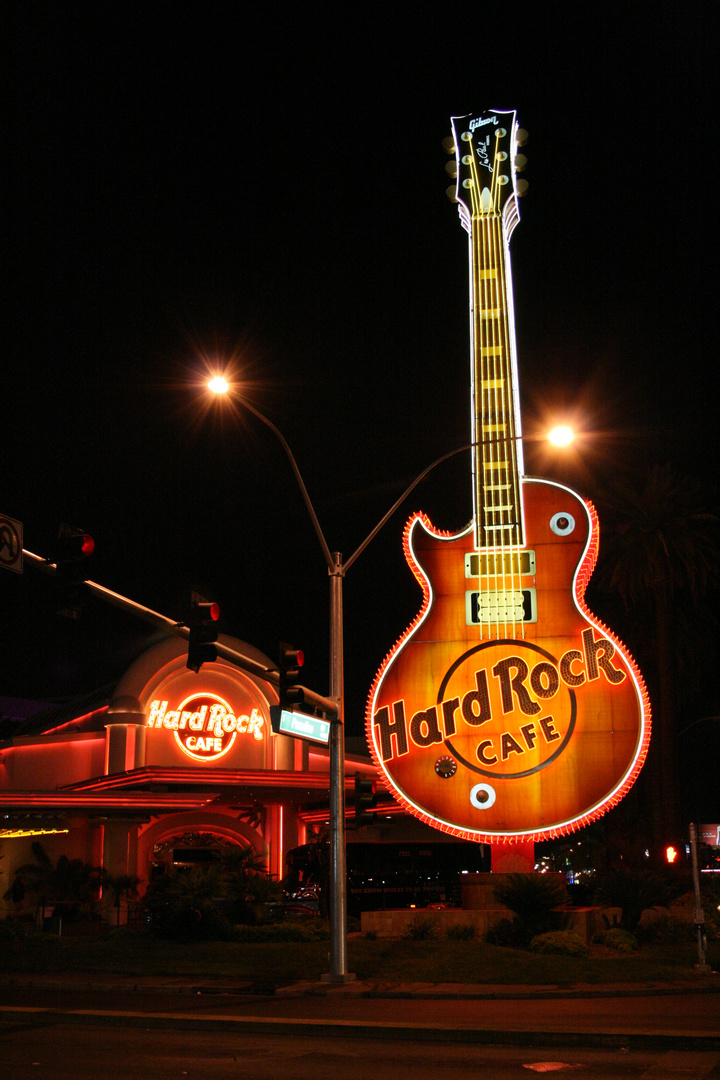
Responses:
[69,881]
[661,559]
[122,887]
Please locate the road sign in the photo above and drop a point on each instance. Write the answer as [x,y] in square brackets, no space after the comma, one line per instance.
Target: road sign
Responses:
[299,725]
[11,544]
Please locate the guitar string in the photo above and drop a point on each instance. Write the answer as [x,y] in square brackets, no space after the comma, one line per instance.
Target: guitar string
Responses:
[500,427]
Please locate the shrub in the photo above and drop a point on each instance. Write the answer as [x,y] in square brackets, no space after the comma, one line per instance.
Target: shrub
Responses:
[559,943]
[10,930]
[276,932]
[665,930]
[421,928]
[634,891]
[462,932]
[533,898]
[621,940]
[506,933]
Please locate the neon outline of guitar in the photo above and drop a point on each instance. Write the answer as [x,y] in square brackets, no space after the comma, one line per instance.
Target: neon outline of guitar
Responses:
[504,635]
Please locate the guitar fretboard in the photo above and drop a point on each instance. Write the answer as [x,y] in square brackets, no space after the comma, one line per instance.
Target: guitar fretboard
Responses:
[496,427]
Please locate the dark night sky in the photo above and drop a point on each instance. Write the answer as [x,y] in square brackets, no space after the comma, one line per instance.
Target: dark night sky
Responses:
[190,181]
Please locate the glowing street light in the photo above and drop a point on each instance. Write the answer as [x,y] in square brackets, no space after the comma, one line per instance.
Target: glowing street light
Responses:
[561,436]
[218,385]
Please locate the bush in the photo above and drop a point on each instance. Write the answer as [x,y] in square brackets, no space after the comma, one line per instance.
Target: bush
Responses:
[10,930]
[634,891]
[665,930]
[277,932]
[462,932]
[559,943]
[619,939]
[421,928]
[533,898]
[507,933]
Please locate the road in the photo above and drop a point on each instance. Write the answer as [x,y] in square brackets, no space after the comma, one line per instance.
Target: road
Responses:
[67,1031]
[57,1052]
[667,1016]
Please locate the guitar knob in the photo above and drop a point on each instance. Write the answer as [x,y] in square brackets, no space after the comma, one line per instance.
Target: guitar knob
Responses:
[521,137]
[522,186]
[520,162]
[450,192]
[451,168]
[448,144]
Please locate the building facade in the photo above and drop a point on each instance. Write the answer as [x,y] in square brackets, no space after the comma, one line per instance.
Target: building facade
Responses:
[170,765]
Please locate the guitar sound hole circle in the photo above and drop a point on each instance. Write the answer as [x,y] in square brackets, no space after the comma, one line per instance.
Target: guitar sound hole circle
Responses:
[562,524]
[446,767]
[482,796]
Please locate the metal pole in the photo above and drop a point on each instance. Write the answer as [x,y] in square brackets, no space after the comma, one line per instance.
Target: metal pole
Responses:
[338,871]
[701,965]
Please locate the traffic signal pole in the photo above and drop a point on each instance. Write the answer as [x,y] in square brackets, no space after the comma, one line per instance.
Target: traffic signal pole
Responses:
[338,870]
[245,663]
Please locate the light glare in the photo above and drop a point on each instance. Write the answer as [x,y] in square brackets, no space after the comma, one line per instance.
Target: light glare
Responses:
[218,385]
[561,436]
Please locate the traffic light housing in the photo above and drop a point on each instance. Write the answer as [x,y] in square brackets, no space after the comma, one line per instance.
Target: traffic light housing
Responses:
[365,798]
[289,664]
[202,624]
[74,549]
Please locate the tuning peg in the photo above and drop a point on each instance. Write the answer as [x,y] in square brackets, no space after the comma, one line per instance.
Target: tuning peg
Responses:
[450,192]
[448,144]
[521,136]
[451,168]
[521,187]
[520,162]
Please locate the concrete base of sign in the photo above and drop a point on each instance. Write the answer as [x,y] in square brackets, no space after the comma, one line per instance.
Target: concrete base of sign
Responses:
[513,858]
[478,890]
[391,924]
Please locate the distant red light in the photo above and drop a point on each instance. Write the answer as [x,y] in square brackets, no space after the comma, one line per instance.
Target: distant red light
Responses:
[215,612]
[300,658]
[88,545]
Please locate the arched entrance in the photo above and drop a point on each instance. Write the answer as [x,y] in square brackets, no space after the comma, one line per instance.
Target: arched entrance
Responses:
[181,841]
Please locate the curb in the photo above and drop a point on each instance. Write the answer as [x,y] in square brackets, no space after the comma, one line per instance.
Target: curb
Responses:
[356,1029]
[364,990]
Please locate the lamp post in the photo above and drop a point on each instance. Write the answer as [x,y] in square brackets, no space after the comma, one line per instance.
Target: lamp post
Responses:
[336,571]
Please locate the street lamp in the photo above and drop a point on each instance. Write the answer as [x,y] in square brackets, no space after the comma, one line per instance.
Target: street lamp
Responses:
[336,571]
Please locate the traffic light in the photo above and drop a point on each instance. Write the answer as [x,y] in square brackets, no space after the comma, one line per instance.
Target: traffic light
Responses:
[202,624]
[289,664]
[365,798]
[74,549]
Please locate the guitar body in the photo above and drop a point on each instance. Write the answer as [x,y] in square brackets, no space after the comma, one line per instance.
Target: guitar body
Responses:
[546,737]
[506,711]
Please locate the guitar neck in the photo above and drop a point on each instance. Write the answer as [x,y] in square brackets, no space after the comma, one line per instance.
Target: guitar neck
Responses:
[497,455]
[485,147]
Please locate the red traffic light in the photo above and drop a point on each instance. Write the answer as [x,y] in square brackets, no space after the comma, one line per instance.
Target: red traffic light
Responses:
[88,544]
[214,611]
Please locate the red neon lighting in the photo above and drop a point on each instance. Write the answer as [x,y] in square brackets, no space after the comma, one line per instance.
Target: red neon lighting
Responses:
[583,575]
[78,720]
[249,777]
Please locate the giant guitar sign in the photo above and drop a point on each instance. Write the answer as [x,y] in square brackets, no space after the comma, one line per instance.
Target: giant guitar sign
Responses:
[506,711]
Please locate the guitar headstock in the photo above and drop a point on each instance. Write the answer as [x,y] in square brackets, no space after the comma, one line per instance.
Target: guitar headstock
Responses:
[485,146]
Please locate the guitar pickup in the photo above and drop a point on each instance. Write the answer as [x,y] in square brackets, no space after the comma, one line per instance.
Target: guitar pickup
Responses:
[499,563]
[500,606]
